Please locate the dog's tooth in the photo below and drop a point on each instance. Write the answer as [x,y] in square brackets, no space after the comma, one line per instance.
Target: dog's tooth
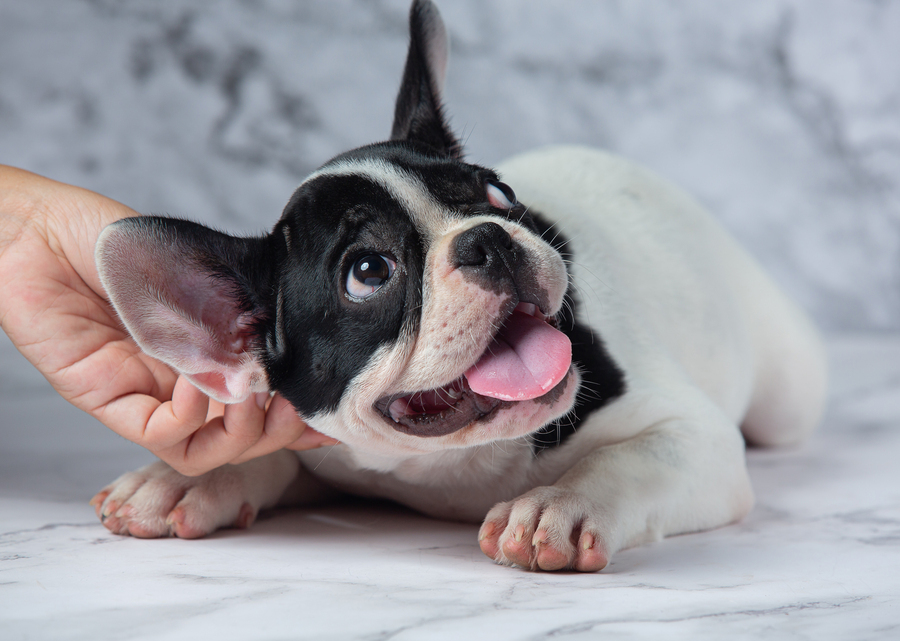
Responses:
[399,409]
[453,393]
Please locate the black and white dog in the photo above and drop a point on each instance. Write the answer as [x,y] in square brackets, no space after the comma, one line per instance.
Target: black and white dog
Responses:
[577,364]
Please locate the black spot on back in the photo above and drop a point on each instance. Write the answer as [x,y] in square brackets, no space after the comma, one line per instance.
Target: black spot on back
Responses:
[602,379]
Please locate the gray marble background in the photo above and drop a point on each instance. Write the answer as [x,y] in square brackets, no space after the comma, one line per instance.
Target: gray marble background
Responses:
[782,116]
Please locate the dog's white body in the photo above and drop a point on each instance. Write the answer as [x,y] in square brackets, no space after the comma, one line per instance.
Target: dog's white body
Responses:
[710,348]
[707,343]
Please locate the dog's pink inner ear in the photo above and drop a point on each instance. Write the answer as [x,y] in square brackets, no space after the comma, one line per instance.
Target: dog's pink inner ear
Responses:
[178,311]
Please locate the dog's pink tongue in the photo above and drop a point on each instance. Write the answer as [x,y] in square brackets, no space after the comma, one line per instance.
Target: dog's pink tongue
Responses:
[526,360]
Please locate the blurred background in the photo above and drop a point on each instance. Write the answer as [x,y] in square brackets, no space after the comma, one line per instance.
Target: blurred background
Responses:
[782,116]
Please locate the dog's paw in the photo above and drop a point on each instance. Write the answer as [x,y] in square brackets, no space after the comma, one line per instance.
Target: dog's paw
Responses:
[157,501]
[546,529]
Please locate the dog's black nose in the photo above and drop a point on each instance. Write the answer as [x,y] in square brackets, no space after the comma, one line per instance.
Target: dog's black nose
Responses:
[486,246]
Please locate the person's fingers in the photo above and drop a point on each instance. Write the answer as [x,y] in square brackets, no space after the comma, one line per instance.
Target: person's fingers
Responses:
[219,441]
[189,405]
[150,422]
[176,420]
[194,434]
[310,440]
[283,428]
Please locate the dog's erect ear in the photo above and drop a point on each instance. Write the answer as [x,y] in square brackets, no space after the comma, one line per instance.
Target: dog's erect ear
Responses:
[418,115]
[188,296]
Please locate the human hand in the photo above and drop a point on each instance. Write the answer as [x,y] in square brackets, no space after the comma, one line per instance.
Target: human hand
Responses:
[53,308]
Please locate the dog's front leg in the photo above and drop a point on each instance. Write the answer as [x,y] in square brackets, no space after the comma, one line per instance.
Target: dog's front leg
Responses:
[157,501]
[676,476]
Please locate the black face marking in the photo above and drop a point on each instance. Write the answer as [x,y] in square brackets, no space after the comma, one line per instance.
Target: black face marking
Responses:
[602,380]
[329,336]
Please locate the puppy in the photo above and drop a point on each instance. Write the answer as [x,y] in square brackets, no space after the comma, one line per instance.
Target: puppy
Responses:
[576,363]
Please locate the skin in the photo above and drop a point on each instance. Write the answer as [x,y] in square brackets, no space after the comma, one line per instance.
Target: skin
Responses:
[54,309]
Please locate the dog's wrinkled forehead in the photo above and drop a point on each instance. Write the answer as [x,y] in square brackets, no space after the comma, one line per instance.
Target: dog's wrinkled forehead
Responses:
[428,187]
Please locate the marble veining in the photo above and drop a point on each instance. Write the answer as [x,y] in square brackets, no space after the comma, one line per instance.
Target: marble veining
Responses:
[780,115]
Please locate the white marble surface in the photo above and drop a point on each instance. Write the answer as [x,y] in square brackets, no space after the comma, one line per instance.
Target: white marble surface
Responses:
[818,558]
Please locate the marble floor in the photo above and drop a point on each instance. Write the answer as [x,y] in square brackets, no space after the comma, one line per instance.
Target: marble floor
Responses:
[818,558]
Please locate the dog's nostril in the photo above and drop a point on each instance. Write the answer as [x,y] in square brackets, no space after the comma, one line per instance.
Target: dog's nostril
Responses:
[481,244]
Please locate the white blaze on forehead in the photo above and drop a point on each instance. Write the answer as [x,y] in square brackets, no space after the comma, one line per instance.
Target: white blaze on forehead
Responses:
[430,217]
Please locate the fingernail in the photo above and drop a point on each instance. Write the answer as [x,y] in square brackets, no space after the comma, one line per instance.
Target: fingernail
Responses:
[316,446]
[261,399]
[311,440]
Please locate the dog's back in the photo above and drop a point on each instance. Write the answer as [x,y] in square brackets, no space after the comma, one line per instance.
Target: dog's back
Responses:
[652,267]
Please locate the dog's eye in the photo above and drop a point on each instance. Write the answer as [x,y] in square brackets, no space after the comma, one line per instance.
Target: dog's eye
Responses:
[368,274]
[500,195]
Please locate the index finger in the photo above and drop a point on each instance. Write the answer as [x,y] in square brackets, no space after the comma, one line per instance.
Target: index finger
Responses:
[284,428]
[219,440]
[179,431]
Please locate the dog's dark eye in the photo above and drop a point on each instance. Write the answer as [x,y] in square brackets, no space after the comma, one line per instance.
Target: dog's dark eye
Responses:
[500,195]
[368,274]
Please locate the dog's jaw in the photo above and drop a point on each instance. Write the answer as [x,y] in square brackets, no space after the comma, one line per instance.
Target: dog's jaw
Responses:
[437,412]
[449,408]
[373,444]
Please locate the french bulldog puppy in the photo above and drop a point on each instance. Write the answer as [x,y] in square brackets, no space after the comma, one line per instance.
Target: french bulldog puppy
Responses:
[574,356]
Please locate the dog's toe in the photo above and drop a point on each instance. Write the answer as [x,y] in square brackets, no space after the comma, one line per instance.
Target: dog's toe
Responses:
[548,556]
[546,529]
[517,548]
[591,555]
[489,538]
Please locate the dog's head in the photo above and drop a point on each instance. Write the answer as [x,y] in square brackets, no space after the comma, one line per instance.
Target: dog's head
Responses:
[404,302]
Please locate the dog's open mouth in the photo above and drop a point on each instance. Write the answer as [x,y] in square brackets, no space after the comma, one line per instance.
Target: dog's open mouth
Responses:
[437,412]
[527,358]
